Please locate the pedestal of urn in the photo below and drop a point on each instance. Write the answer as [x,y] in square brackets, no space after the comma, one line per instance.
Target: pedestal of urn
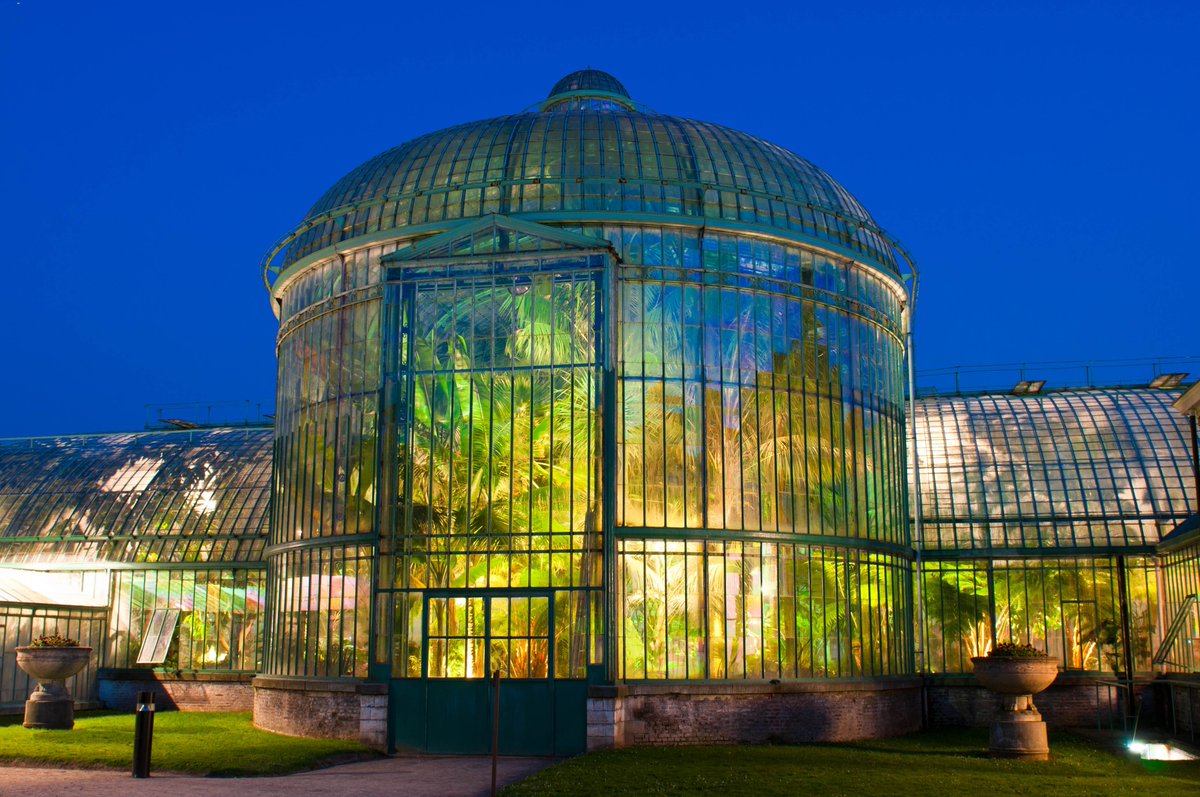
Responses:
[1019,732]
[51,706]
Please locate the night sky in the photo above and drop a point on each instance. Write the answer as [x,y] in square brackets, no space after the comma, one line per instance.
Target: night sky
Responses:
[1042,165]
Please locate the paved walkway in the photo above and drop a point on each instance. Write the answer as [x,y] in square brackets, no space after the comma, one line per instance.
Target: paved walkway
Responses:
[410,776]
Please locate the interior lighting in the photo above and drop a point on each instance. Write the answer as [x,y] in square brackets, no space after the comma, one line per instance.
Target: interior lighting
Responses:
[1167,381]
[1029,387]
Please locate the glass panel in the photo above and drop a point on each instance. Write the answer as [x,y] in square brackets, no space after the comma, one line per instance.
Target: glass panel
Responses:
[749,610]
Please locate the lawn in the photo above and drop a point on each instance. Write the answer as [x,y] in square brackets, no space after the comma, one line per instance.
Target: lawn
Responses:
[939,763]
[201,744]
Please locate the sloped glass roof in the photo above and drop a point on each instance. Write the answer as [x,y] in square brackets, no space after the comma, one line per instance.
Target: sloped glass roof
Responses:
[161,497]
[574,161]
[1070,469]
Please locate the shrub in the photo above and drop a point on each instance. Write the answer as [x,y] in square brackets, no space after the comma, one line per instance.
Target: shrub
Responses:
[1017,650]
[54,641]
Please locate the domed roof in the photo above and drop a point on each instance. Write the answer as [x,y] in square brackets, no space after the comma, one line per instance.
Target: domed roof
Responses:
[589,80]
[591,158]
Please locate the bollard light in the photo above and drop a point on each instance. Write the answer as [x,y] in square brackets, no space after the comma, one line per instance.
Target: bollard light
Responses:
[143,734]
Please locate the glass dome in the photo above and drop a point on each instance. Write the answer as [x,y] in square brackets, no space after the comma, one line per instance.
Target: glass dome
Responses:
[585,151]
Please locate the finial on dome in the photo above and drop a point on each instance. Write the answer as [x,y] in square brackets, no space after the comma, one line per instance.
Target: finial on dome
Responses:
[589,88]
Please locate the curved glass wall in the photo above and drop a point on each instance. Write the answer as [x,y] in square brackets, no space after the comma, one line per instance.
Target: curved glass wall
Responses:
[1040,513]
[766,400]
[148,521]
[758,393]
[748,610]
[325,489]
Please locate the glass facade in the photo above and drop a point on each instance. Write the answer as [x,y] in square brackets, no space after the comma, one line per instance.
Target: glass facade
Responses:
[742,610]
[1181,585]
[1039,513]
[323,528]
[23,621]
[756,391]
[498,385]
[759,404]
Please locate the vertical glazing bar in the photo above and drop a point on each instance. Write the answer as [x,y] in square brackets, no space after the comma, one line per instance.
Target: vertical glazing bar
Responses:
[1195,462]
[918,541]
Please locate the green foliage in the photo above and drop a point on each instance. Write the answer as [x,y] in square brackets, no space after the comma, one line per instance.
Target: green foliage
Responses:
[1016,650]
[54,641]
[204,744]
[936,762]
[505,420]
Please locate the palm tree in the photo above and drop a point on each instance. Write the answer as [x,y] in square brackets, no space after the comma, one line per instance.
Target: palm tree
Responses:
[501,459]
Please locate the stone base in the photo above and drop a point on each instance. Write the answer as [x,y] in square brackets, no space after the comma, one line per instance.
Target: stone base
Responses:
[1021,736]
[796,712]
[52,713]
[210,691]
[323,709]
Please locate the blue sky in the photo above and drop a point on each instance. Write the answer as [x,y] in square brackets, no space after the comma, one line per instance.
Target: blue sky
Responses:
[1040,160]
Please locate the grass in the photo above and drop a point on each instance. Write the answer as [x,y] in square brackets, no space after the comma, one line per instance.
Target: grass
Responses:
[939,763]
[201,744]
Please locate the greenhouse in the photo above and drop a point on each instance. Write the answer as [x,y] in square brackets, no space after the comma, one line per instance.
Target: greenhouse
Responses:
[602,417]
[1041,520]
[99,531]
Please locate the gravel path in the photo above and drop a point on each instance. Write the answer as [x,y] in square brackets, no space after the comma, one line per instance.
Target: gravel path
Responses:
[410,776]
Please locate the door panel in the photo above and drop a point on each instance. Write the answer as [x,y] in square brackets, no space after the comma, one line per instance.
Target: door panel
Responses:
[526,717]
[458,716]
[450,709]
[406,707]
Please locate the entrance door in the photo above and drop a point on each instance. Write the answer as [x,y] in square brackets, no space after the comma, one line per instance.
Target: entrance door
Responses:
[493,355]
[468,637]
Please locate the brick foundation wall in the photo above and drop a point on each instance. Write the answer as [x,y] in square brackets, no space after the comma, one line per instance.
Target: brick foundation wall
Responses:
[788,713]
[118,689]
[1072,701]
[322,709]
[1178,699]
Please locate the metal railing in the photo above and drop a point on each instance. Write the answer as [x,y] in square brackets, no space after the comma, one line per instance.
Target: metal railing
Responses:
[966,379]
[1191,694]
[1114,707]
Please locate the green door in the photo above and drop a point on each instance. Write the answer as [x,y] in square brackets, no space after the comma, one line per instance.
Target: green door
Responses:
[468,638]
[493,355]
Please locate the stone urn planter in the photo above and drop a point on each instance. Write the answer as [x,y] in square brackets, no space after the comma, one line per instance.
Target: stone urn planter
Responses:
[51,706]
[1019,732]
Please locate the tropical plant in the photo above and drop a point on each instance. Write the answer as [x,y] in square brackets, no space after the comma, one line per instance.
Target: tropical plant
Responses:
[500,465]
